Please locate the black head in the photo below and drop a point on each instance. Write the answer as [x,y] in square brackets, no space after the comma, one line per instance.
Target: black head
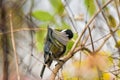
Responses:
[69,33]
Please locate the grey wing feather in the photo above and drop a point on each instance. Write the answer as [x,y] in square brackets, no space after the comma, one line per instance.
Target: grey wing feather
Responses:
[60,36]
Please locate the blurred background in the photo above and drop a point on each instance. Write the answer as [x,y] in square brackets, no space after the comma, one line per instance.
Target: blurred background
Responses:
[23,28]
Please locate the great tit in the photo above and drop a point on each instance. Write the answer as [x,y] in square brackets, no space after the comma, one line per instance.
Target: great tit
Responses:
[55,45]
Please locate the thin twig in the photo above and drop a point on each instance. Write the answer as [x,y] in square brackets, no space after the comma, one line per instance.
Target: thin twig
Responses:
[79,47]
[42,63]
[23,29]
[106,39]
[38,59]
[14,47]
[118,13]
[29,22]
[91,39]
[87,37]
[87,25]
[109,27]
[72,15]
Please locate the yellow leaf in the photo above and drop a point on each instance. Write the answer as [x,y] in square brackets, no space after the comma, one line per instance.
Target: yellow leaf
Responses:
[117,45]
[108,76]
[65,75]
[118,33]
[112,21]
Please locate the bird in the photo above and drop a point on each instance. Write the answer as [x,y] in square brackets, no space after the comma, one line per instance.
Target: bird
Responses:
[55,46]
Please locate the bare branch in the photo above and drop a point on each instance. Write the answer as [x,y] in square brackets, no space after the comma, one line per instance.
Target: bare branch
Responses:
[109,27]
[109,35]
[23,29]
[103,43]
[115,1]
[14,47]
[87,37]
[72,15]
[91,39]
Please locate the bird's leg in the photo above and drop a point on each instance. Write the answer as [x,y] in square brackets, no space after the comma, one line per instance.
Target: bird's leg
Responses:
[59,61]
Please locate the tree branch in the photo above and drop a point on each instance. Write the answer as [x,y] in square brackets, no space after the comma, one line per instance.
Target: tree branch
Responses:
[23,29]
[70,16]
[4,40]
[109,27]
[91,38]
[14,47]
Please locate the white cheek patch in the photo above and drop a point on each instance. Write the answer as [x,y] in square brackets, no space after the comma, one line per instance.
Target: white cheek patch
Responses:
[64,30]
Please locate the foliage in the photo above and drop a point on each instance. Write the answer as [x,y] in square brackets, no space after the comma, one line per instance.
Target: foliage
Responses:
[118,32]
[117,44]
[70,43]
[90,58]
[112,21]
[58,6]
[42,16]
[40,38]
[90,5]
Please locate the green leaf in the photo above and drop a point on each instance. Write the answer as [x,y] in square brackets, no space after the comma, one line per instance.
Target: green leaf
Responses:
[42,16]
[40,38]
[112,21]
[117,45]
[70,43]
[69,46]
[90,5]
[62,26]
[58,6]
[75,36]
[65,25]
[118,33]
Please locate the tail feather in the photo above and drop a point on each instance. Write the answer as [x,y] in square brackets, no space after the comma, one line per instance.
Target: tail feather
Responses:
[42,71]
[43,68]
